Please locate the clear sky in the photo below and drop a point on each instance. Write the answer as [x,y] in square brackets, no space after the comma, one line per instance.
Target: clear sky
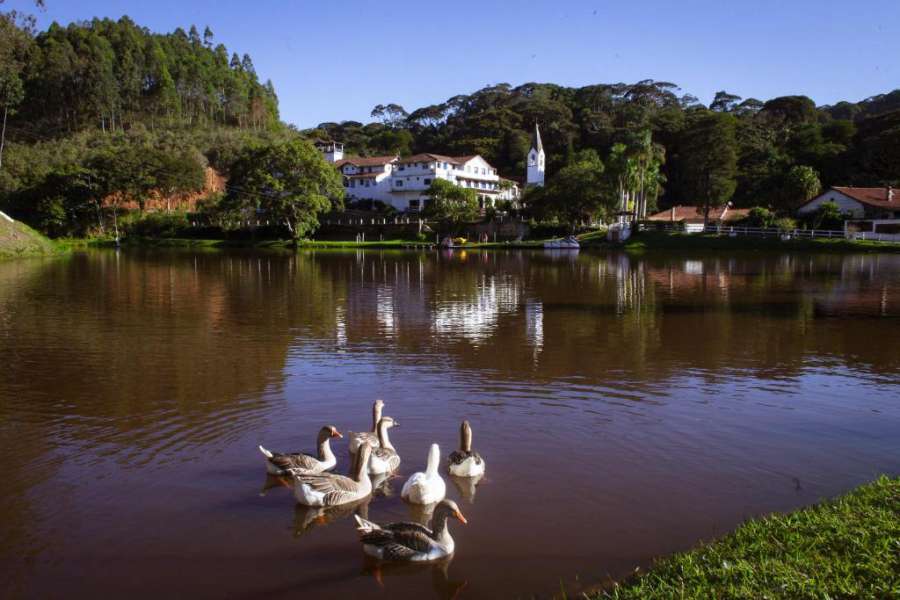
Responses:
[334,60]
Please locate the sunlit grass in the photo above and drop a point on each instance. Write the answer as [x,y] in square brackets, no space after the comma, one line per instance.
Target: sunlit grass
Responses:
[844,548]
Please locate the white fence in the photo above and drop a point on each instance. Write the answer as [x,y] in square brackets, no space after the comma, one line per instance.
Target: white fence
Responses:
[775,232]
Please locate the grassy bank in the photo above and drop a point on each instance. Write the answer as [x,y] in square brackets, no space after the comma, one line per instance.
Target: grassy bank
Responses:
[19,240]
[687,242]
[843,548]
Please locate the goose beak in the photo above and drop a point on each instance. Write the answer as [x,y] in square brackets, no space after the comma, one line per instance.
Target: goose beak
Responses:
[462,519]
[336,434]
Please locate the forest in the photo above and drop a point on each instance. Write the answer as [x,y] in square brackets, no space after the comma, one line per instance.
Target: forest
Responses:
[98,115]
[651,143]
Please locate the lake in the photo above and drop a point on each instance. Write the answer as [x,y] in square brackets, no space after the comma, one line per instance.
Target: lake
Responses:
[627,407]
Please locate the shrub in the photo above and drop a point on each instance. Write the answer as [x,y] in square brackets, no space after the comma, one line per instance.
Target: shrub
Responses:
[158,225]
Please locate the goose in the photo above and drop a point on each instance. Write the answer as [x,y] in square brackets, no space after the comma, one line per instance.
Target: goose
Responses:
[356,439]
[384,459]
[330,489]
[299,463]
[427,487]
[464,462]
[411,541]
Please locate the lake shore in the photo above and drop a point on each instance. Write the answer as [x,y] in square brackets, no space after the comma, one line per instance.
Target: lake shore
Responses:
[643,242]
[699,242]
[841,548]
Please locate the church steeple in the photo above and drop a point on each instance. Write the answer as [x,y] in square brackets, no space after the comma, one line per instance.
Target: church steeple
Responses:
[536,160]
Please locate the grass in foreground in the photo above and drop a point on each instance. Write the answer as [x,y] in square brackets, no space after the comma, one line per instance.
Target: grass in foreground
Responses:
[843,548]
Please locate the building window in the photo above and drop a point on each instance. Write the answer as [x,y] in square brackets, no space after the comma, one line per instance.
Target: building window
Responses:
[414,204]
[399,183]
[427,182]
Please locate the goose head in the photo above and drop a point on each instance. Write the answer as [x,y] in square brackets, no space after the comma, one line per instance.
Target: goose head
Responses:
[447,509]
[328,432]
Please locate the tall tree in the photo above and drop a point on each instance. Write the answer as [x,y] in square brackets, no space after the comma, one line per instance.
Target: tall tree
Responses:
[709,160]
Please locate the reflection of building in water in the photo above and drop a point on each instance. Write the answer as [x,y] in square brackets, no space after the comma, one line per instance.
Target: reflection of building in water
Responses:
[534,325]
[384,307]
[475,317]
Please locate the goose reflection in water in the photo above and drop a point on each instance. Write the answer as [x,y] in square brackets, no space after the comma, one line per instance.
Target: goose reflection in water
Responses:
[466,486]
[272,481]
[381,484]
[444,588]
[307,518]
[421,513]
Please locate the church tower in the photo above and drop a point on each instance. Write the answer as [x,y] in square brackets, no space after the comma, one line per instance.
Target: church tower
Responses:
[536,160]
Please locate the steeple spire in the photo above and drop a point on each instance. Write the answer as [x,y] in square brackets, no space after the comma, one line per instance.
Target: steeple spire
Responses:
[536,139]
[534,173]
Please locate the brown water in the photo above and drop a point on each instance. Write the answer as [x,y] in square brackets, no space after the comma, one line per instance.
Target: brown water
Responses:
[627,408]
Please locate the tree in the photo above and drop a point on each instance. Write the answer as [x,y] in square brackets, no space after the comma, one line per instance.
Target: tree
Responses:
[709,160]
[801,184]
[392,115]
[289,182]
[15,41]
[575,193]
[451,204]
[724,102]
[178,171]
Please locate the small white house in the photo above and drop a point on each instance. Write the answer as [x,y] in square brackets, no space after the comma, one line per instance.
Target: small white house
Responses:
[858,202]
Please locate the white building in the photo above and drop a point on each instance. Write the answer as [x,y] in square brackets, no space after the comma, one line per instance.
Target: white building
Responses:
[404,183]
[333,151]
[368,178]
[858,202]
[536,160]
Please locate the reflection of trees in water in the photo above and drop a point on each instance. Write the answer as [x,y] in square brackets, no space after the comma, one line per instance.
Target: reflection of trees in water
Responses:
[148,353]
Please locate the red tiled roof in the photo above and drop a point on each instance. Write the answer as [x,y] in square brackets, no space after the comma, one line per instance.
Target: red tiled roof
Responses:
[364,175]
[677,214]
[877,197]
[365,161]
[428,157]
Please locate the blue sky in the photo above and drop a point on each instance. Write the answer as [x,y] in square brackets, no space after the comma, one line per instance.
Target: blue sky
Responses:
[334,60]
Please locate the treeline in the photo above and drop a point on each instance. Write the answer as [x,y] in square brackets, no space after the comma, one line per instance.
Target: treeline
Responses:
[650,134]
[112,74]
[104,114]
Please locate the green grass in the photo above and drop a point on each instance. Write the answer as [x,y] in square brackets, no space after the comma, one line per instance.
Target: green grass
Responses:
[675,241]
[843,548]
[18,240]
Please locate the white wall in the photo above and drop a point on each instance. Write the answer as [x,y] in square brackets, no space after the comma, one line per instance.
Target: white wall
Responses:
[536,166]
[844,202]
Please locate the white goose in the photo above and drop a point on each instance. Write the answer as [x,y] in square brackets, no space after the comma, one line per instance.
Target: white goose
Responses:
[357,438]
[329,489]
[427,487]
[384,459]
[411,541]
[299,463]
[465,462]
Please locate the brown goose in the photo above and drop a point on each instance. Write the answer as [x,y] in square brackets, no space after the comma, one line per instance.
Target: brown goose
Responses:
[280,464]
[356,439]
[411,541]
[465,462]
[329,489]
[384,459]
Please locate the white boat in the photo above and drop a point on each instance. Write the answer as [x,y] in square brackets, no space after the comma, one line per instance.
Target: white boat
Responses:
[567,243]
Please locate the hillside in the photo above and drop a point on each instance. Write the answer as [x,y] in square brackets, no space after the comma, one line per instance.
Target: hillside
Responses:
[17,239]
